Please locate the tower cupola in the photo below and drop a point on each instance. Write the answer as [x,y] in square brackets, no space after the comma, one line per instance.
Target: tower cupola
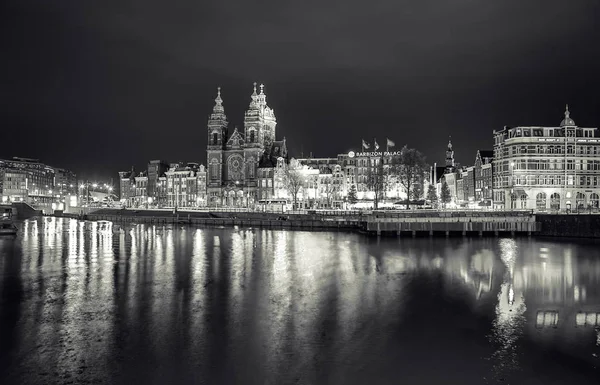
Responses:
[567,121]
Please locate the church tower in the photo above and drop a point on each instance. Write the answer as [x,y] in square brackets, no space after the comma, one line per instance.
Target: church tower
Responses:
[217,138]
[259,121]
[217,124]
[449,157]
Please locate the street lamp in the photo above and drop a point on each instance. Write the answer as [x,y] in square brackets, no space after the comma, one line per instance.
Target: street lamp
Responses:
[512,183]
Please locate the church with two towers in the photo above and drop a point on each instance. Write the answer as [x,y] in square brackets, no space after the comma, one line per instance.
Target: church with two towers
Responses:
[234,158]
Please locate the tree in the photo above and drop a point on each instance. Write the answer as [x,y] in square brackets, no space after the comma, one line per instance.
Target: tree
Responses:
[293,180]
[330,191]
[432,195]
[445,195]
[409,169]
[418,190]
[377,180]
[352,198]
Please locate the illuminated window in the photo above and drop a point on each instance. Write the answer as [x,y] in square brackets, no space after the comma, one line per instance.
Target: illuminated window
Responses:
[546,319]
[540,201]
[555,201]
[587,319]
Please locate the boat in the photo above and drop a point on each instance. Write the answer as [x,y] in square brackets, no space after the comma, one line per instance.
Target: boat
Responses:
[7,227]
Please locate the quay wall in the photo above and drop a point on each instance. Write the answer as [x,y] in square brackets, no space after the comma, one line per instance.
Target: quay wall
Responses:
[260,221]
[547,225]
[378,223]
[569,225]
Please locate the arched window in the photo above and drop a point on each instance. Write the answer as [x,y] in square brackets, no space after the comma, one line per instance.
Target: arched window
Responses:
[252,136]
[555,201]
[214,169]
[215,139]
[540,201]
[580,200]
[594,200]
[523,201]
[250,167]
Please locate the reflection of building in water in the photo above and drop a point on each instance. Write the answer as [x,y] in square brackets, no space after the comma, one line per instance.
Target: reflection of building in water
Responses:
[562,296]
[476,272]
[509,324]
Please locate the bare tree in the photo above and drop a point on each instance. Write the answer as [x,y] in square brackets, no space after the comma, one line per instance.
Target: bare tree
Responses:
[330,191]
[377,180]
[294,180]
[409,169]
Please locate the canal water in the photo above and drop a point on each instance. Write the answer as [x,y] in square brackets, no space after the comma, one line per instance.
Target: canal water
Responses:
[97,303]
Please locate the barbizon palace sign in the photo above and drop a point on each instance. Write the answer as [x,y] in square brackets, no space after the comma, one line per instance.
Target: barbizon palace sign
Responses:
[353,154]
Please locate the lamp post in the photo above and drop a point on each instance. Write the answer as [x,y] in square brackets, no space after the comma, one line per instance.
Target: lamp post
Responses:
[512,184]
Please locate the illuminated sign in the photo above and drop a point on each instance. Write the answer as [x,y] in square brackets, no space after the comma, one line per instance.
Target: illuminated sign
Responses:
[352,154]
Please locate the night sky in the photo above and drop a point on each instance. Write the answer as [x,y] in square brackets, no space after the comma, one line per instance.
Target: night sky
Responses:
[99,86]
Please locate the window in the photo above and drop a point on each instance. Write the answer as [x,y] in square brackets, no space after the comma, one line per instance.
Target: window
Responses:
[252,134]
[540,201]
[594,200]
[523,201]
[555,201]
[580,200]
[215,138]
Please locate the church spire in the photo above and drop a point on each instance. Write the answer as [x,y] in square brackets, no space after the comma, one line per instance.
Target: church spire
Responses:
[449,156]
[254,97]
[218,108]
[262,98]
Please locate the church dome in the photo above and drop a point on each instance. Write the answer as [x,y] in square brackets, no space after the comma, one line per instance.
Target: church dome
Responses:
[567,121]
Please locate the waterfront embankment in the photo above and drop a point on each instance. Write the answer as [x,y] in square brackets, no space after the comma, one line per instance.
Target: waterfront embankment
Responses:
[391,223]
[398,223]
[345,221]
[569,225]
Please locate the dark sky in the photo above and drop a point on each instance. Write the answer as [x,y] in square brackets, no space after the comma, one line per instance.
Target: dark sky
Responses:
[98,86]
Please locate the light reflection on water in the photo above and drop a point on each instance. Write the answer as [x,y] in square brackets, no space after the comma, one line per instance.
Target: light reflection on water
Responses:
[93,301]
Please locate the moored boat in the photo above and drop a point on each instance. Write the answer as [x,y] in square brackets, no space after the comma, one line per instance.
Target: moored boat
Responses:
[7,227]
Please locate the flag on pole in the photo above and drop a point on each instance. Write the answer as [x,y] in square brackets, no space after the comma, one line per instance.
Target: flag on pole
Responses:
[365,145]
[375,144]
[390,143]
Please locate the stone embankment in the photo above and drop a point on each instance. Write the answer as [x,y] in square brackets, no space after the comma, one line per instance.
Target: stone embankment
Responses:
[569,225]
[398,223]
[350,221]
